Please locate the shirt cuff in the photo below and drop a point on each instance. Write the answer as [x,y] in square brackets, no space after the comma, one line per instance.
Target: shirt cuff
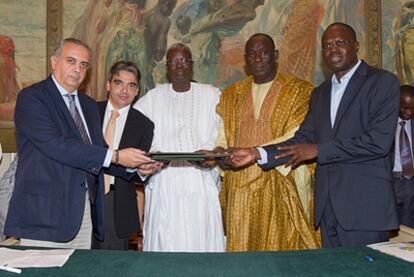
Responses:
[143,177]
[263,156]
[108,158]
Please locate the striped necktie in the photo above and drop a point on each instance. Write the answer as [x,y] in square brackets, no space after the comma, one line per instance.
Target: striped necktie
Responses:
[77,118]
[90,179]
[405,153]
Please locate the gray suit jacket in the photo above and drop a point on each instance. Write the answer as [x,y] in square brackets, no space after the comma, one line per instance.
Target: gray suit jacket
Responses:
[354,165]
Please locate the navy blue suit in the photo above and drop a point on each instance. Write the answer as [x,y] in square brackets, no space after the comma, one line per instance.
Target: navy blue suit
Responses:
[354,170]
[49,196]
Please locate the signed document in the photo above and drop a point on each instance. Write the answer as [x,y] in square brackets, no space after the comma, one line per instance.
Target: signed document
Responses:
[185,156]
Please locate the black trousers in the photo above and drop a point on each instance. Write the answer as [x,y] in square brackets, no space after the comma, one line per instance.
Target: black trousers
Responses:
[333,235]
[404,194]
[111,241]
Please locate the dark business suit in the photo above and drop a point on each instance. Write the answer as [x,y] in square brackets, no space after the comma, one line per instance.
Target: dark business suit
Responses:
[353,174]
[121,204]
[49,195]
[404,193]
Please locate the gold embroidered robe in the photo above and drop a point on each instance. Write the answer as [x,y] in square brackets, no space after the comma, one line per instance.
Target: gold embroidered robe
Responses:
[267,210]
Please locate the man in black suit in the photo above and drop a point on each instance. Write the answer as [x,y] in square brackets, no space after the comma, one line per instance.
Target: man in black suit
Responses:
[58,196]
[130,128]
[349,130]
[403,170]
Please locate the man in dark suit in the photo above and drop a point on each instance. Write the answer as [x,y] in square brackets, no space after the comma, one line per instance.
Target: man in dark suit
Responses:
[131,129]
[58,195]
[403,171]
[349,130]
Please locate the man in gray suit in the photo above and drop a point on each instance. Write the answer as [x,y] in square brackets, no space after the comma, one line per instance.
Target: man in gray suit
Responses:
[403,170]
[349,131]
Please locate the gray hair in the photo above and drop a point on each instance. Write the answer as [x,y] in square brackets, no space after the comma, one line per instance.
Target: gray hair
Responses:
[58,50]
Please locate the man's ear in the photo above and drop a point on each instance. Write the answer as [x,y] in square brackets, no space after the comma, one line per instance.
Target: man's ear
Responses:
[53,62]
[108,86]
[276,55]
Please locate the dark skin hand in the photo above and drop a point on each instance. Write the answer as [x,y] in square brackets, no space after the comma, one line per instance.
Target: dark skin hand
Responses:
[210,163]
[242,157]
[299,153]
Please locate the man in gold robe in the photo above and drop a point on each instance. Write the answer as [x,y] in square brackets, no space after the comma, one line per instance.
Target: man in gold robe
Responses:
[265,210]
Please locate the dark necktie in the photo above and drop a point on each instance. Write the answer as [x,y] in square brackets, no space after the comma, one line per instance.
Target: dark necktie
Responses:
[90,179]
[405,153]
[78,120]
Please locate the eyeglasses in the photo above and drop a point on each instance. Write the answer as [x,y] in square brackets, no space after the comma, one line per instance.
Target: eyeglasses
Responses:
[72,62]
[176,61]
[337,43]
[262,53]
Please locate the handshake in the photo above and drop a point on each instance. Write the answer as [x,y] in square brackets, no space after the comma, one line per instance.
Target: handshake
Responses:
[234,158]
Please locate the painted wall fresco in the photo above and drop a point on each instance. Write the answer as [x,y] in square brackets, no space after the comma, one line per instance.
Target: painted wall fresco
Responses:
[215,30]
[398,38]
[22,50]
[141,30]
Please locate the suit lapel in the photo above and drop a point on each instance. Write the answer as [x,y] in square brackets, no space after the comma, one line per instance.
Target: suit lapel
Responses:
[324,114]
[130,129]
[102,109]
[351,91]
[60,103]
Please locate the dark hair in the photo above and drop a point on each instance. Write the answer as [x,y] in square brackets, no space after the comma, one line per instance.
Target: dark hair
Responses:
[263,35]
[124,66]
[350,29]
[407,90]
[58,50]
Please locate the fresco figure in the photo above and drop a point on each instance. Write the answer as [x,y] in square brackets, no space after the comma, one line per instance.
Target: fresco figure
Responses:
[8,82]
[206,33]
[93,27]
[157,24]
[404,44]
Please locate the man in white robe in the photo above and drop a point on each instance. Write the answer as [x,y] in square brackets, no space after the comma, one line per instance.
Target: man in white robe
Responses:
[182,209]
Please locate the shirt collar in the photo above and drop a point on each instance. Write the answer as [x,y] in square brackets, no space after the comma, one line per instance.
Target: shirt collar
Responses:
[61,89]
[347,76]
[122,111]
[407,121]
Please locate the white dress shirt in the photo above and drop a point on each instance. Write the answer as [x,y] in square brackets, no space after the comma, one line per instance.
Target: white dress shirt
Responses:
[338,88]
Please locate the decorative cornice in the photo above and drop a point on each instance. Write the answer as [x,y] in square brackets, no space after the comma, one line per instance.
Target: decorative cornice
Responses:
[373,32]
[54,28]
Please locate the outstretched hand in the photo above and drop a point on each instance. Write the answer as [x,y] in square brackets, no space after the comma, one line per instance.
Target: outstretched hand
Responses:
[209,162]
[298,152]
[133,157]
[150,168]
[243,157]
